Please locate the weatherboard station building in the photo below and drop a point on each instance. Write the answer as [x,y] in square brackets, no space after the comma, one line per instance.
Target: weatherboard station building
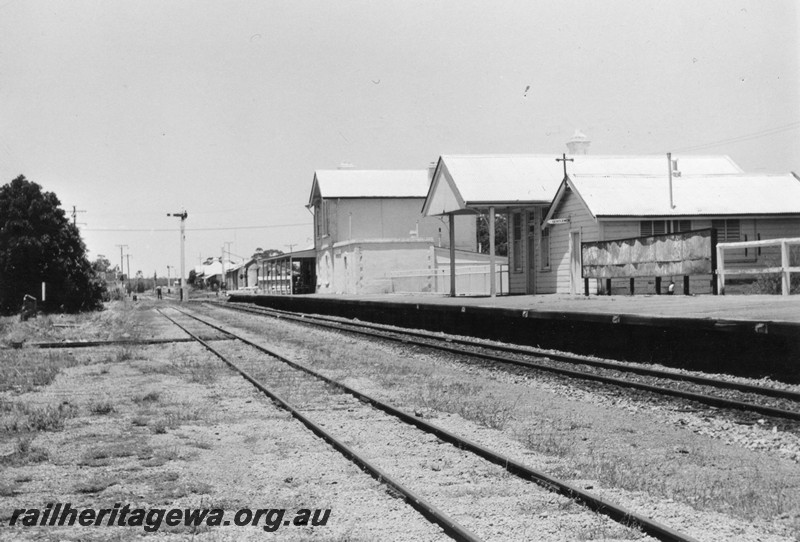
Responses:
[555,203]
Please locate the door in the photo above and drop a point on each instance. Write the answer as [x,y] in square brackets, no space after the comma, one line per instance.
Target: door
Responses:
[575,262]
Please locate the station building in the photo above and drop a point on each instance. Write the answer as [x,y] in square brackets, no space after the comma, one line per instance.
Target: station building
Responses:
[625,196]
[739,206]
[370,235]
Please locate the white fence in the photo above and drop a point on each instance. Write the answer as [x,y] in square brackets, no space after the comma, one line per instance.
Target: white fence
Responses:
[785,268]
[470,280]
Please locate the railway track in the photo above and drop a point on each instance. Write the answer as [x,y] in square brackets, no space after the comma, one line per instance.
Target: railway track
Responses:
[397,448]
[714,392]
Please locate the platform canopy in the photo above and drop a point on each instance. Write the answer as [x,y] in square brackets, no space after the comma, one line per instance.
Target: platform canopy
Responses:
[307,254]
[466,183]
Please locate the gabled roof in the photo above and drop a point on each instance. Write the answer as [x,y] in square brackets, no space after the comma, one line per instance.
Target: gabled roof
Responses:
[463,182]
[214,268]
[618,196]
[235,266]
[369,183]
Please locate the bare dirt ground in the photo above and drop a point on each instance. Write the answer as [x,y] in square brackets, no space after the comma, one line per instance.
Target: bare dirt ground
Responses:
[169,426]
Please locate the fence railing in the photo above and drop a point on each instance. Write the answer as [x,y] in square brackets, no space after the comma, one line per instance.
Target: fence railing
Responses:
[785,268]
[470,280]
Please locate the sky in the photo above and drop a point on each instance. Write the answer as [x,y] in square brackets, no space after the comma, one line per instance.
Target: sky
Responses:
[132,110]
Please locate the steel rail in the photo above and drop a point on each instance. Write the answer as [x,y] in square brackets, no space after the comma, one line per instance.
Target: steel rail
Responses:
[710,400]
[591,501]
[561,356]
[451,527]
[83,344]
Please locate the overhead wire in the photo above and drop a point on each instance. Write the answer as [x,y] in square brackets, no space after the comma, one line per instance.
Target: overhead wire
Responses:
[746,137]
[266,226]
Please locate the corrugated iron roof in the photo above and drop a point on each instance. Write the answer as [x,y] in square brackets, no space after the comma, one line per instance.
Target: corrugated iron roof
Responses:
[693,195]
[370,183]
[297,255]
[536,178]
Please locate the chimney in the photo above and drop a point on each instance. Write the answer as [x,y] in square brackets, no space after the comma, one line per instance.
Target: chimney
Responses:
[675,171]
[671,165]
[578,143]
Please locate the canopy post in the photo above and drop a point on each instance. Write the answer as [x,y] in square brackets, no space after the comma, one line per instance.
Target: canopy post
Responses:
[452,254]
[492,258]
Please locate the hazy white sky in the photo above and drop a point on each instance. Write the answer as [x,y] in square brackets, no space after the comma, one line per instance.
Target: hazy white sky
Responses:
[131,110]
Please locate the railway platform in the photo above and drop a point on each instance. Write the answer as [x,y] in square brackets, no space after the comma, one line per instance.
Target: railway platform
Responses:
[748,335]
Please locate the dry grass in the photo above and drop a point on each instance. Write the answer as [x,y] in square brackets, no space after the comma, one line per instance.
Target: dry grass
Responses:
[101,407]
[619,453]
[148,398]
[25,453]
[25,370]
[120,320]
[18,417]
[96,485]
[602,529]
[186,365]
[470,400]
[424,385]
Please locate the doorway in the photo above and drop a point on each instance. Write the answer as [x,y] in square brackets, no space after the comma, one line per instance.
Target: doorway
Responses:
[531,272]
[575,262]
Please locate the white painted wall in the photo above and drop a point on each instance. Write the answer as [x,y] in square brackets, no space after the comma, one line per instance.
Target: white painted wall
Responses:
[393,218]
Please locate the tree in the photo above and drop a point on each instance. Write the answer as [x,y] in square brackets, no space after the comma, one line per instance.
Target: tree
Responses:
[101,266]
[39,244]
[500,234]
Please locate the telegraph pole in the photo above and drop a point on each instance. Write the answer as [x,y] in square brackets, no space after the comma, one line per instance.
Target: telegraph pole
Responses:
[128,259]
[223,281]
[228,246]
[182,215]
[75,215]
[121,263]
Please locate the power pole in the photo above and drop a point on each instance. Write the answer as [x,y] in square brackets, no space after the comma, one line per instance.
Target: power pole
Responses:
[223,281]
[128,259]
[228,246]
[169,280]
[182,215]
[75,215]
[121,266]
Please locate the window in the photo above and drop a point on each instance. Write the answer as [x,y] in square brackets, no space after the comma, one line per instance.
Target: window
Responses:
[321,218]
[544,248]
[653,227]
[728,230]
[516,241]
[661,227]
